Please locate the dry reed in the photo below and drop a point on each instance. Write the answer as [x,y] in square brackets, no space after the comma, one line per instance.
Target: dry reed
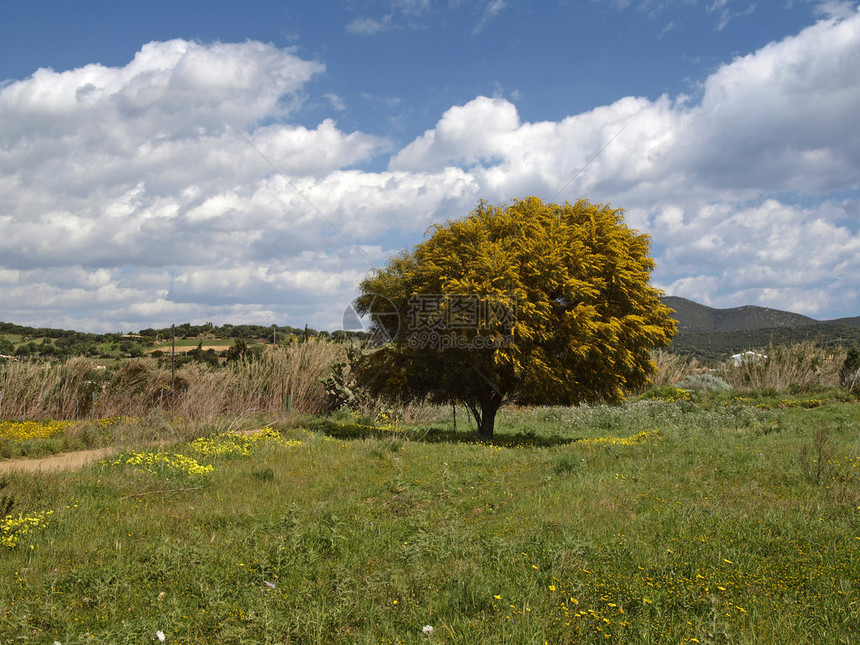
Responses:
[287,381]
[673,368]
[802,366]
[283,381]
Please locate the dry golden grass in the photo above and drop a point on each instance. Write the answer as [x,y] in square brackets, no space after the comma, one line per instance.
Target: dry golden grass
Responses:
[285,381]
[288,381]
[672,368]
[801,366]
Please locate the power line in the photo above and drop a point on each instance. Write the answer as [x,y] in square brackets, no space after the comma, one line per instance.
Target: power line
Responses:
[302,195]
[588,163]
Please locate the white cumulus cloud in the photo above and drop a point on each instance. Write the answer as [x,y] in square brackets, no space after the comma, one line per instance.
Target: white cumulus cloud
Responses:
[181,186]
[770,125]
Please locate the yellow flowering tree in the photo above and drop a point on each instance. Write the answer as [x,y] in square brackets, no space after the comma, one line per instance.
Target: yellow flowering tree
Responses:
[530,303]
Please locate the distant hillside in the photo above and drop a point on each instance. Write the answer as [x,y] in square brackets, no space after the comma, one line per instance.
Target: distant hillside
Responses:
[715,334]
[693,317]
[847,322]
[704,332]
[18,342]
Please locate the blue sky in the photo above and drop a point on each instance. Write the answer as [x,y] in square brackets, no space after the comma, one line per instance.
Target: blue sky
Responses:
[134,189]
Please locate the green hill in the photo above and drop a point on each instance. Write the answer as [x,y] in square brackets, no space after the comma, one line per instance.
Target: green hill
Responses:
[693,317]
[715,334]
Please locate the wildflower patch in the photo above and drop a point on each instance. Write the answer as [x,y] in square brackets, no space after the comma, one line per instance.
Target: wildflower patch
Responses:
[34,429]
[794,403]
[639,438]
[12,529]
[231,444]
[26,430]
[667,393]
[162,463]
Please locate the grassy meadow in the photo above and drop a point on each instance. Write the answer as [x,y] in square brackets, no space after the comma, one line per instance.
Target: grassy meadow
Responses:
[728,518]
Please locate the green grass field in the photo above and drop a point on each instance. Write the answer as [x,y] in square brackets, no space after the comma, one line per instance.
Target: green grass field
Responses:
[647,523]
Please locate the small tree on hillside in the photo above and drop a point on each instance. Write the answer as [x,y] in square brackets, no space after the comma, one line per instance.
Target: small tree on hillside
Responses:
[849,374]
[530,303]
[238,351]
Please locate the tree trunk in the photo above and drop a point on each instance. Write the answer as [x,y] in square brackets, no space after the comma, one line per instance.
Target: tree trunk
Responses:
[488,418]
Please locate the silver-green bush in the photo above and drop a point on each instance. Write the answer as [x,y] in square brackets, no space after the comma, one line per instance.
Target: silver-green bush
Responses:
[704,382]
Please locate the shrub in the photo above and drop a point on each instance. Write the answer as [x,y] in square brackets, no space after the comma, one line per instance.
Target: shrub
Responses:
[816,458]
[704,383]
[667,393]
[849,374]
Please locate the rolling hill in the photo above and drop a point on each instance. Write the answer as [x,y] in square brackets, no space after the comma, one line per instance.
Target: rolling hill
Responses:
[715,334]
[693,317]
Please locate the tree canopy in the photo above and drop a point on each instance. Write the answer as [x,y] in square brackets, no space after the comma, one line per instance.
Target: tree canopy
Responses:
[529,303]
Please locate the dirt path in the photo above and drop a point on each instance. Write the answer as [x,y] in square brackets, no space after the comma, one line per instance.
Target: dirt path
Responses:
[54,463]
[70,460]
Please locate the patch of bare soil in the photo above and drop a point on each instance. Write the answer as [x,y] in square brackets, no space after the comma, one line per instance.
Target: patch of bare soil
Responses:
[189,348]
[69,460]
[54,463]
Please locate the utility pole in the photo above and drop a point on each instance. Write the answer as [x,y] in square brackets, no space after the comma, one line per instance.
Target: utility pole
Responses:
[173,365]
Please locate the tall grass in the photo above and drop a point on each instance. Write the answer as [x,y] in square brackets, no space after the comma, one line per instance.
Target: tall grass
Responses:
[61,391]
[798,367]
[673,368]
[284,381]
[287,381]
[802,366]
